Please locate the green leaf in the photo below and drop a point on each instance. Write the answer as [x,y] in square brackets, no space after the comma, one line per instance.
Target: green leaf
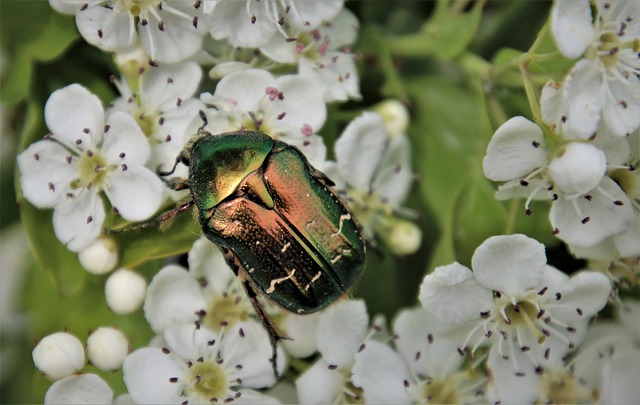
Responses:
[43,37]
[450,135]
[140,246]
[60,264]
[446,35]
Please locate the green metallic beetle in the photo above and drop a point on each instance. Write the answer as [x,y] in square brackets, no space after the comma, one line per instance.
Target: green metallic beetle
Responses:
[281,227]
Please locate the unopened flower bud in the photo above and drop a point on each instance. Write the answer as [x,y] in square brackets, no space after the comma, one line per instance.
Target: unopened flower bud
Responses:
[59,355]
[107,348]
[403,236]
[125,291]
[395,116]
[100,257]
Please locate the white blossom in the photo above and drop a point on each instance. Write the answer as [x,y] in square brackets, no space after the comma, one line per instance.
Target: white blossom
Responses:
[199,365]
[168,30]
[322,53]
[249,24]
[165,109]
[587,205]
[82,156]
[603,88]
[59,355]
[341,333]
[515,302]
[289,108]
[437,373]
[209,292]
[373,169]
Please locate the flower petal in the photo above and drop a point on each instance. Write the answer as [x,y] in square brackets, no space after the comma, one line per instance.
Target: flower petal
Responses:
[360,147]
[515,150]
[583,100]
[161,88]
[302,329]
[511,264]
[309,14]
[319,384]
[45,174]
[245,88]
[453,294]
[74,114]
[382,375]
[394,176]
[230,21]
[572,26]
[177,40]
[190,342]
[605,211]
[588,291]
[425,351]
[247,344]
[79,389]
[621,113]
[341,329]
[78,222]
[507,388]
[621,376]
[173,296]
[147,373]
[125,138]
[136,192]
[301,102]
[106,28]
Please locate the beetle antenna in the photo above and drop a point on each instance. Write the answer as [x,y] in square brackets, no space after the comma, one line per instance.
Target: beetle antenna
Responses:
[204,119]
[173,169]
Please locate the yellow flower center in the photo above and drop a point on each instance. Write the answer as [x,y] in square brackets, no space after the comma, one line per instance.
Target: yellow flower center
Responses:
[93,170]
[225,311]
[207,380]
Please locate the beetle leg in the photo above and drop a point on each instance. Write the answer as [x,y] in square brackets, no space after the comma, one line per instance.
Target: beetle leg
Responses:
[176,184]
[160,220]
[267,324]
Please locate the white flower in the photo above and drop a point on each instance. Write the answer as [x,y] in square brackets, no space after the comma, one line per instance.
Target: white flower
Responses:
[168,30]
[373,169]
[107,348]
[199,365]
[209,293]
[59,355]
[436,374]
[250,24]
[605,369]
[289,108]
[165,109]
[587,205]
[79,389]
[125,291]
[322,53]
[82,157]
[515,302]
[100,257]
[603,88]
[340,334]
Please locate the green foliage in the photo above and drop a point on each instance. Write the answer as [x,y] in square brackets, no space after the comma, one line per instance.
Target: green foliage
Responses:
[43,38]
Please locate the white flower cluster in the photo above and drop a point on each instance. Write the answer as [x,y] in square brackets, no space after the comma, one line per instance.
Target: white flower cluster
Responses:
[584,158]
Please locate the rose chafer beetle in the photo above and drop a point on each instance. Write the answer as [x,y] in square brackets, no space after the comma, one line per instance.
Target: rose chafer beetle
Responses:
[283,230]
